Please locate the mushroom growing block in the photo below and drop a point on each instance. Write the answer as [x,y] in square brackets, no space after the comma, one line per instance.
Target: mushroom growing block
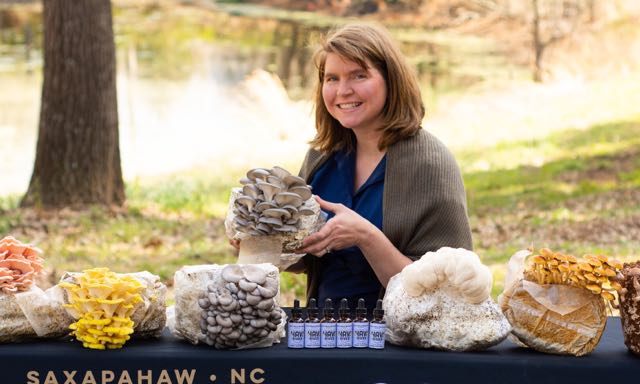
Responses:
[228,306]
[110,307]
[442,301]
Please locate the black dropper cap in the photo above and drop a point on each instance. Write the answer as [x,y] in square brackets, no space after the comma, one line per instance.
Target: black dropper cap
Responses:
[344,308]
[296,312]
[328,308]
[361,310]
[312,308]
[378,312]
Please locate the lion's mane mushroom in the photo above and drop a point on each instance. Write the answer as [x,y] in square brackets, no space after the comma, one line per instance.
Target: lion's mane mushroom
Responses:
[270,202]
[456,270]
[442,301]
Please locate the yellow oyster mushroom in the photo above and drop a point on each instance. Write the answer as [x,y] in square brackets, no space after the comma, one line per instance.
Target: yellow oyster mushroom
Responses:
[615,264]
[67,285]
[593,260]
[113,341]
[617,286]
[96,332]
[72,311]
[538,260]
[564,268]
[591,277]
[102,302]
[109,306]
[102,322]
[124,311]
[594,288]
[118,330]
[85,305]
[607,295]
[96,315]
[86,337]
[99,290]
[585,267]
[96,273]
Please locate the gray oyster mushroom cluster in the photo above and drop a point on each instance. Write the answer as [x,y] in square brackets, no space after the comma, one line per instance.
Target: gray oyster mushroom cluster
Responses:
[243,311]
[271,202]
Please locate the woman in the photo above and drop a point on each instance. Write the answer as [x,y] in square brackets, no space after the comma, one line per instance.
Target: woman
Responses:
[392,190]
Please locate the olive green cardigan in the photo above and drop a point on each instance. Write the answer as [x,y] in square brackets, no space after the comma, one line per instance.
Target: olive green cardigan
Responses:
[423,205]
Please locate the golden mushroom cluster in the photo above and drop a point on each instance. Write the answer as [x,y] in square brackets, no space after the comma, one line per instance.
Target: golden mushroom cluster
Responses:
[102,302]
[593,272]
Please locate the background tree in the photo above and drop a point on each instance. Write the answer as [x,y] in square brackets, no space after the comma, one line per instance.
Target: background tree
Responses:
[78,155]
[553,21]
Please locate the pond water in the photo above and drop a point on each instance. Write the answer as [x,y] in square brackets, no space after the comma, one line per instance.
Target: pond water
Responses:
[195,88]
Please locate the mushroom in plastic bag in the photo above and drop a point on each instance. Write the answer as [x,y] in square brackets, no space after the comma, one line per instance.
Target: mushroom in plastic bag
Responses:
[556,303]
[27,311]
[228,306]
[271,214]
[109,308]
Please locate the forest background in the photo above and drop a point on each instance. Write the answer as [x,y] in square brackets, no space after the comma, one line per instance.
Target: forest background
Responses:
[538,99]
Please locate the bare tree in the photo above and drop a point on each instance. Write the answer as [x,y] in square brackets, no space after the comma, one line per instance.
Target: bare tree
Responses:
[78,155]
[560,20]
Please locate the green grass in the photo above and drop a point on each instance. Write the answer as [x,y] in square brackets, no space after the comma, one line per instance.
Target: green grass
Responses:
[568,160]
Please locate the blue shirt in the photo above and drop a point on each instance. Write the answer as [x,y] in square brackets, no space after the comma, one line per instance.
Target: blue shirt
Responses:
[346,273]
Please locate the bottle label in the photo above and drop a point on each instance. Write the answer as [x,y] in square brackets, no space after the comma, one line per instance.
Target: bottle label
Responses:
[295,336]
[345,335]
[328,335]
[312,335]
[360,334]
[376,335]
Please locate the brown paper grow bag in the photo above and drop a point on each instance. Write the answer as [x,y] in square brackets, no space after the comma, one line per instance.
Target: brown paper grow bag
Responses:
[557,319]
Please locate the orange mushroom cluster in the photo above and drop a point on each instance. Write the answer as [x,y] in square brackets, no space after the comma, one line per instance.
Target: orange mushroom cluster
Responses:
[19,264]
[593,272]
[102,302]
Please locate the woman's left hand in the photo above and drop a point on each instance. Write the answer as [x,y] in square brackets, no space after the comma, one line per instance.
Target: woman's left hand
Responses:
[344,230]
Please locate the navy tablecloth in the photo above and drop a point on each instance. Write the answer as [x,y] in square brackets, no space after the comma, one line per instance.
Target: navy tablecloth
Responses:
[168,360]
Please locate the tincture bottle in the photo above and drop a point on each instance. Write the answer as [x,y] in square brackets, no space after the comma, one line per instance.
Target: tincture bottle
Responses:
[377,327]
[361,326]
[295,332]
[344,326]
[328,326]
[312,326]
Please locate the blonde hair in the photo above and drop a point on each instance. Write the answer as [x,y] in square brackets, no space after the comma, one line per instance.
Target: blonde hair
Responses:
[367,44]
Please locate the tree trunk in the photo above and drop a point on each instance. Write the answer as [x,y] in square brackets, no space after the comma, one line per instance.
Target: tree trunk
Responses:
[591,5]
[78,155]
[538,45]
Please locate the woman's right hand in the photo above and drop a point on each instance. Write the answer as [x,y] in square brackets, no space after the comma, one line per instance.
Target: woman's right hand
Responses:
[235,243]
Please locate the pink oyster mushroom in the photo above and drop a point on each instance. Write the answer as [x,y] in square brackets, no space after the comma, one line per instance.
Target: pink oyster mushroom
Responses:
[19,263]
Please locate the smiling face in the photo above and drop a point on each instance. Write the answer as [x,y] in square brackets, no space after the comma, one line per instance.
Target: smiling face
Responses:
[353,95]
